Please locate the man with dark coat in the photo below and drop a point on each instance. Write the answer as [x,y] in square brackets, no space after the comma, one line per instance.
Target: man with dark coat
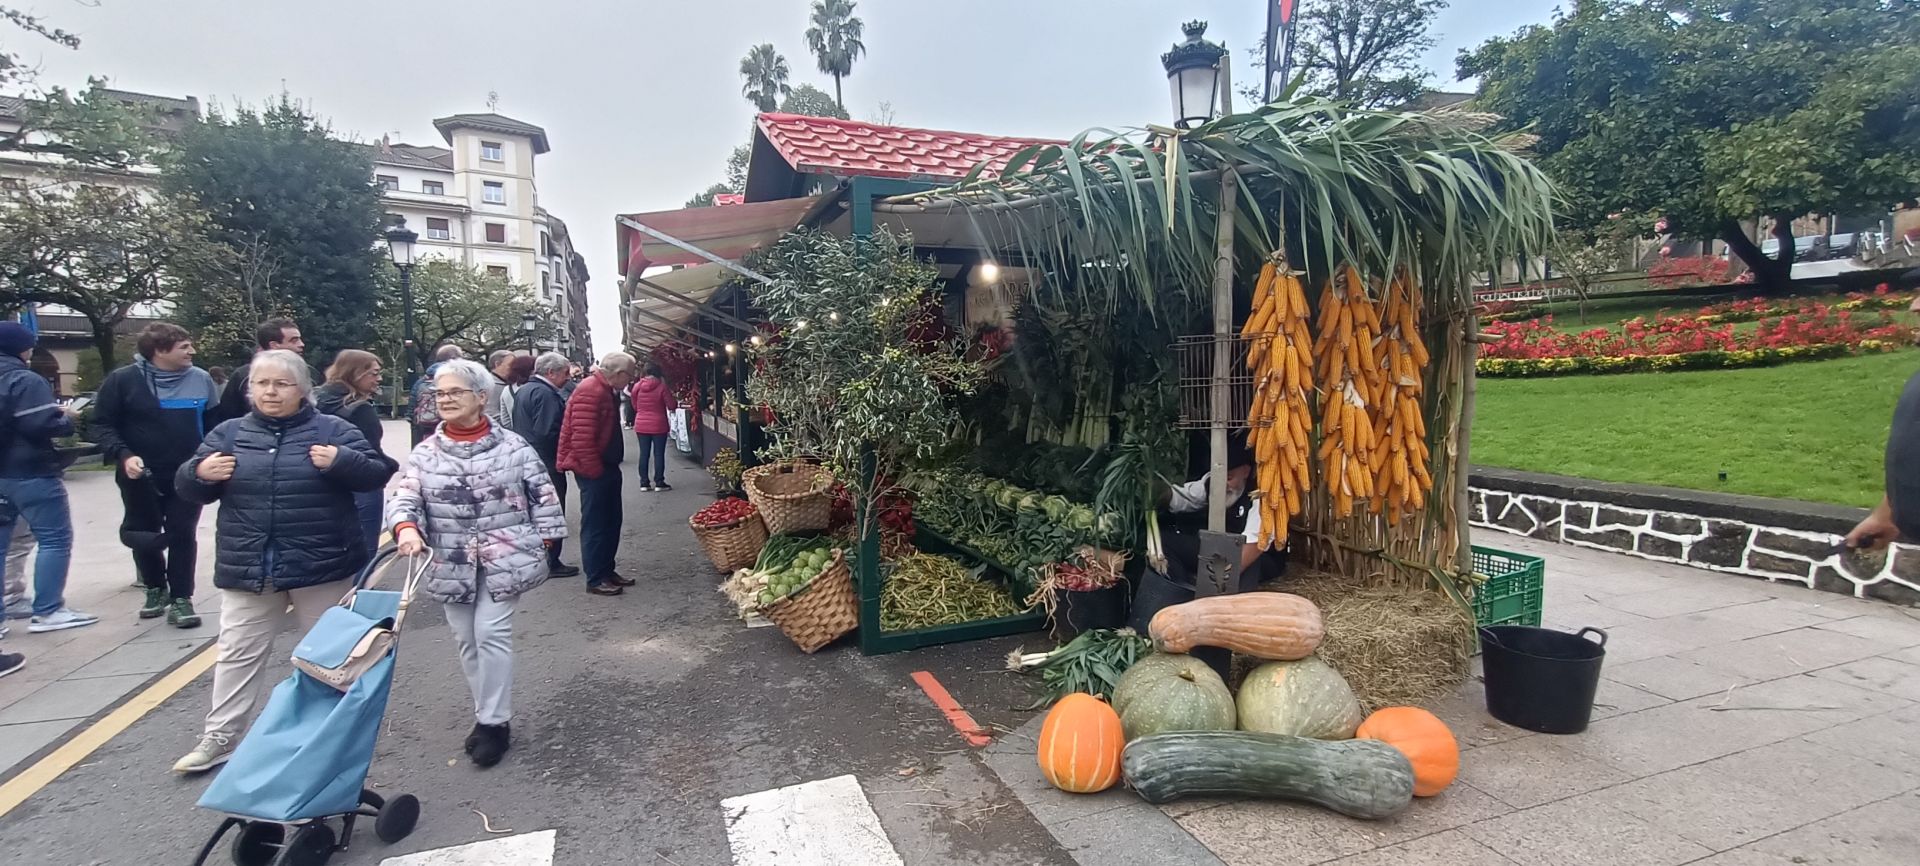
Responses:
[149,417]
[1898,514]
[592,447]
[537,412]
[31,488]
[275,333]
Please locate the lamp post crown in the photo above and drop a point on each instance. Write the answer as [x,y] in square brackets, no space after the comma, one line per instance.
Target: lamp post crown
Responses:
[1195,51]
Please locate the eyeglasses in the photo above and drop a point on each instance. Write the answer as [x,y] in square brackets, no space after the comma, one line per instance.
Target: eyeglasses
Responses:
[273,385]
[453,394]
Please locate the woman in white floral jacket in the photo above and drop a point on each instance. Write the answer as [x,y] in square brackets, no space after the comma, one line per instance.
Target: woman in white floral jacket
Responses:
[480,498]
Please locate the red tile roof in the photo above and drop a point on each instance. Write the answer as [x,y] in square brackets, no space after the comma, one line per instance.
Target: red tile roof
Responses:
[826,145]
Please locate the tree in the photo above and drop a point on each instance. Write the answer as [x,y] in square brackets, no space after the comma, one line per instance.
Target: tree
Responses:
[883,113]
[1580,258]
[100,251]
[453,303]
[1363,52]
[282,192]
[705,197]
[764,73]
[12,71]
[1711,113]
[813,102]
[92,128]
[834,39]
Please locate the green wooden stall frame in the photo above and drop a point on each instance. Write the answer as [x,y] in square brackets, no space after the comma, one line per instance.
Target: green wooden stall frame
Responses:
[862,191]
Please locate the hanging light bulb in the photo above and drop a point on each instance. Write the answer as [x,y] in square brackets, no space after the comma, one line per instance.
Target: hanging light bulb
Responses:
[755,339]
[709,356]
[731,348]
[800,325]
[989,273]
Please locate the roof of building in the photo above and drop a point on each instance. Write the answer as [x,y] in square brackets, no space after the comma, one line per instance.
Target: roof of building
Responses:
[826,145]
[490,122]
[13,107]
[411,155]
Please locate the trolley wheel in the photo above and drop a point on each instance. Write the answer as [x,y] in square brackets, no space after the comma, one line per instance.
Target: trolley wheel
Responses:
[310,845]
[397,818]
[258,842]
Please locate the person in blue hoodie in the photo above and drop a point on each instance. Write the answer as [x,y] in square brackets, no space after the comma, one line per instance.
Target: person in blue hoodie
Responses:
[149,416]
[31,488]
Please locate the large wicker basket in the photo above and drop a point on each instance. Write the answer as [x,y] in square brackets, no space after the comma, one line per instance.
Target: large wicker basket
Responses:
[792,497]
[732,545]
[822,611]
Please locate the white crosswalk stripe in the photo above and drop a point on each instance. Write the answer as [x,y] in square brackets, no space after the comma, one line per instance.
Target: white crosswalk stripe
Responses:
[525,849]
[822,823]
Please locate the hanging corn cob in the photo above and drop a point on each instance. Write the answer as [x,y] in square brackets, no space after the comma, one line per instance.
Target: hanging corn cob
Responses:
[1351,380]
[1279,355]
[1399,459]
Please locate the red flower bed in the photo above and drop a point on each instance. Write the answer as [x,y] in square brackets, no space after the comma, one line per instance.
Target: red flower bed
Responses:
[1814,325]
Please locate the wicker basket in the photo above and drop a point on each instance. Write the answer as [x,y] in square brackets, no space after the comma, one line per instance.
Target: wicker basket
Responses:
[792,497]
[822,611]
[732,545]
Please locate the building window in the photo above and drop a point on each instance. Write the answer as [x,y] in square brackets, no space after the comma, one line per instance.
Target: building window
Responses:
[387,181]
[546,287]
[433,187]
[497,271]
[496,233]
[546,244]
[438,230]
[493,192]
[491,151]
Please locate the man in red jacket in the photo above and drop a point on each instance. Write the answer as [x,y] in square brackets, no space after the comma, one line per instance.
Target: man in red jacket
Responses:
[592,447]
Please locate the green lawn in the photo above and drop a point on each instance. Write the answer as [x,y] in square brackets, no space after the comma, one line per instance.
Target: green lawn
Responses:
[1812,431]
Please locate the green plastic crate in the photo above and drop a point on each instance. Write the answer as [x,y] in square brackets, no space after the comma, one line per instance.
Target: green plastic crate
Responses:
[1515,589]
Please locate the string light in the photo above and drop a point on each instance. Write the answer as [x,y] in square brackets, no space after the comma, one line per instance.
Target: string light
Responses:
[989,272]
[755,339]
[709,356]
[731,348]
[833,316]
[800,325]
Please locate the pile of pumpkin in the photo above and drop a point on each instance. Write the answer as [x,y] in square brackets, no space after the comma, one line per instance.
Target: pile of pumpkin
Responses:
[1295,731]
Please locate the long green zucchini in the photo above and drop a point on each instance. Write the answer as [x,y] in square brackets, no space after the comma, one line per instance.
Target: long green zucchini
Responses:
[1360,778]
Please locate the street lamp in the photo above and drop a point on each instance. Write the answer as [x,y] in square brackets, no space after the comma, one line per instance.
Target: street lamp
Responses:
[527,325]
[1193,75]
[400,245]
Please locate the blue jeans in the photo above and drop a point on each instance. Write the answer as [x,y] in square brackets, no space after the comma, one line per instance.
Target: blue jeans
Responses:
[370,503]
[654,446]
[42,503]
[600,519]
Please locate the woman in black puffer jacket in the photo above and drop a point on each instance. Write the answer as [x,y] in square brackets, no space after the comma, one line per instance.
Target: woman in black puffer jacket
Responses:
[288,531]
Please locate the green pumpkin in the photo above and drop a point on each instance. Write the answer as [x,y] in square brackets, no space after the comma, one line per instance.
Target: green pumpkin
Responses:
[1303,698]
[1167,692]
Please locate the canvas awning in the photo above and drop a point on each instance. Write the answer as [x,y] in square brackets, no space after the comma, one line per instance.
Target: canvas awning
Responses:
[725,232]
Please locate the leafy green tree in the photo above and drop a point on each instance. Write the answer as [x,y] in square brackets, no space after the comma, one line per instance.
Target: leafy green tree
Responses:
[705,197]
[12,70]
[764,76]
[453,303]
[299,204]
[813,102]
[1715,112]
[1363,52]
[835,39]
[101,251]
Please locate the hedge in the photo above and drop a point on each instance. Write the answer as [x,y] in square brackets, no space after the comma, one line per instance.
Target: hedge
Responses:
[1515,368]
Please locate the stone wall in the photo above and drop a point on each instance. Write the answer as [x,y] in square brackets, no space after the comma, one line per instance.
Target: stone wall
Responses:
[1776,540]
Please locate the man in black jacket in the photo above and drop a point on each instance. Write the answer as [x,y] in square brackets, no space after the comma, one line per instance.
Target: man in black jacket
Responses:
[30,484]
[537,409]
[275,333]
[149,417]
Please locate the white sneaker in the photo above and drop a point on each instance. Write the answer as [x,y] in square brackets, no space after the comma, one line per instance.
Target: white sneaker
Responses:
[63,618]
[214,749]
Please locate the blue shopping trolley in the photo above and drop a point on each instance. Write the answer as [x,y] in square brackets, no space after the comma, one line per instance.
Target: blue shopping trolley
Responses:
[303,764]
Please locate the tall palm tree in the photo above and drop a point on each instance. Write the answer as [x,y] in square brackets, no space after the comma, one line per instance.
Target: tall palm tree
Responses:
[765,74]
[834,39]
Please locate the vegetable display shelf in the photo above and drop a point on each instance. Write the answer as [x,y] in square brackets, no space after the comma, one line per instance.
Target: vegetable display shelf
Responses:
[867,575]
[1515,590]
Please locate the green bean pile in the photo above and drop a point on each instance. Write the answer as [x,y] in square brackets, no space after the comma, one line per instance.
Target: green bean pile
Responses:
[924,590]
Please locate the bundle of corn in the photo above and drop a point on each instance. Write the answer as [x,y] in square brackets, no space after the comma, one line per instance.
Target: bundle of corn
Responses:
[1399,458]
[1353,380]
[1280,355]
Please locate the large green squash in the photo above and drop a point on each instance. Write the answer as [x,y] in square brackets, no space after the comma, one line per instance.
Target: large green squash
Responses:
[1304,698]
[1172,692]
[1360,778]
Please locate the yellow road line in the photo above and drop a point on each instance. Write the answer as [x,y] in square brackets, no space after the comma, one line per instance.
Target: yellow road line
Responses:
[73,751]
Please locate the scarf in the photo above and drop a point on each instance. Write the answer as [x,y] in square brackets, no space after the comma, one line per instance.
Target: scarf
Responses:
[189,383]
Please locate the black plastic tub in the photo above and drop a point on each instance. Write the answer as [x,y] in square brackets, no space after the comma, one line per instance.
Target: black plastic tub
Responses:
[1541,679]
[1078,611]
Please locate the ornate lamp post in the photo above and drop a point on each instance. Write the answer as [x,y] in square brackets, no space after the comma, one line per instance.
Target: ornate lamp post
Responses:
[400,245]
[1193,75]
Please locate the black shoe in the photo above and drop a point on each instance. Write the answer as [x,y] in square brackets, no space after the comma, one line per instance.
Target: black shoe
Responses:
[473,737]
[617,580]
[492,745]
[646,488]
[10,662]
[605,589]
[663,487]
[561,569]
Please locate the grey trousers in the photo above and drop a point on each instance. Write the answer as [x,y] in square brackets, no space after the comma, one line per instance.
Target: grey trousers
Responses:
[15,595]
[484,631]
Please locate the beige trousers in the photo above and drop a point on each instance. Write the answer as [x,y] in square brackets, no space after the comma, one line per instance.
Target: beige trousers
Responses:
[249,621]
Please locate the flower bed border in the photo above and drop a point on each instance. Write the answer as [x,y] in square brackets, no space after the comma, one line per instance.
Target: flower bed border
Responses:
[1516,368]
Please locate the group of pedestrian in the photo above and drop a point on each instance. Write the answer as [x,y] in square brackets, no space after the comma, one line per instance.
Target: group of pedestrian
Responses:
[302,480]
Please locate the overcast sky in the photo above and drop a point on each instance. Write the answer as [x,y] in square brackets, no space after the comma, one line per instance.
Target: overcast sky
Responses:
[641,100]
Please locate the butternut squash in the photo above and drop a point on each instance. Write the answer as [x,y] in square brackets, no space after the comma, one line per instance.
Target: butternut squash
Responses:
[1268,625]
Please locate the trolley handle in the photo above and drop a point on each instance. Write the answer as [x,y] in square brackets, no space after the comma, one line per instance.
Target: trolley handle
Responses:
[370,576]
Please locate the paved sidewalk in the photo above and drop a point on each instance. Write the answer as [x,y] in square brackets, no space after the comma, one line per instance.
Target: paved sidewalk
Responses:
[1739,723]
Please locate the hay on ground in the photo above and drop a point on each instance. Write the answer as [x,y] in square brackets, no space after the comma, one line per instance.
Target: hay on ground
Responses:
[1396,647]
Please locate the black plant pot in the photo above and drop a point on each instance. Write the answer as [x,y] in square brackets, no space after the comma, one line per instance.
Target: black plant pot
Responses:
[1076,612]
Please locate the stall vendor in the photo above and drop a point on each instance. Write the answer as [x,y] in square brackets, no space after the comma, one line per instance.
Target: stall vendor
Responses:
[1188,505]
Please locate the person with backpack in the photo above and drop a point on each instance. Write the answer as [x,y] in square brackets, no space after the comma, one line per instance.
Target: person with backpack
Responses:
[652,403]
[288,532]
[425,413]
[31,488]
[148,418]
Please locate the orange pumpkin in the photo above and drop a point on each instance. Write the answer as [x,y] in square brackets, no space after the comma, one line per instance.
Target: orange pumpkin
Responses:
[1080,744]
[1423,738]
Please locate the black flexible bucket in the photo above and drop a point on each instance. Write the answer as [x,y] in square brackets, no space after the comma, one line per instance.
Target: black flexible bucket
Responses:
[1541,679]
[1078,611]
